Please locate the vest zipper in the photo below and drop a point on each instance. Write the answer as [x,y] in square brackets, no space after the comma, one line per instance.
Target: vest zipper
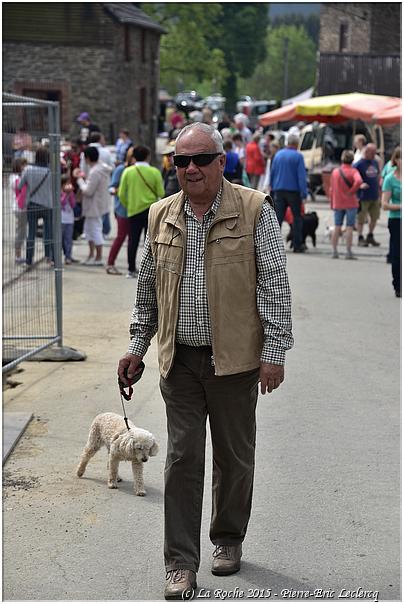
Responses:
[178,297]
[212,360]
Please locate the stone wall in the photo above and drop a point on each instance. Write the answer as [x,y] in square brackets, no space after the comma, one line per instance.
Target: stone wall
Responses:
[372,27]
[356,16]
[95,79]
[386,28]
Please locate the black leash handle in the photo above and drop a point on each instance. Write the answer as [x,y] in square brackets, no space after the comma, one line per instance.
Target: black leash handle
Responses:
[127,396]
[124,413]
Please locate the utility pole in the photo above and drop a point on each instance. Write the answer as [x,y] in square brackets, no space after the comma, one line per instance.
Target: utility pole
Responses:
[285,67]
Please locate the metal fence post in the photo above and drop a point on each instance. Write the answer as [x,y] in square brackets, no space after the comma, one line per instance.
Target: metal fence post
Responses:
[54,145]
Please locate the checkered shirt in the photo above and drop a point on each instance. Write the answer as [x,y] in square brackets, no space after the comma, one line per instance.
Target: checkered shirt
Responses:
[193,327]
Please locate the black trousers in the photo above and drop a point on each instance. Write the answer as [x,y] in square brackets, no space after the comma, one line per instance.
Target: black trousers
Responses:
[138,224]
[34,213]
[394,225]
[192,393]
[282,200]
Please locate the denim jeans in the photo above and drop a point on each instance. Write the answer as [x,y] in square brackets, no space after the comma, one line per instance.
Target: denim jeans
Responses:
[34,213]
[192,393]
[282,200]
[67,240]
[106,224]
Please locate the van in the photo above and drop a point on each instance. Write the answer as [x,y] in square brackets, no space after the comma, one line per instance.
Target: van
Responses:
[322,144]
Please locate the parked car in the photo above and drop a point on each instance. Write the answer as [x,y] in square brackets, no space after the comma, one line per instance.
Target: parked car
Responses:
[188,100]
[257,109]
[322,145]
[244,104]
[216,102]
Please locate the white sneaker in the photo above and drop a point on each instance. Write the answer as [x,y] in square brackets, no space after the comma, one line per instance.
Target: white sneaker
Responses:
[132,275]
[93,262]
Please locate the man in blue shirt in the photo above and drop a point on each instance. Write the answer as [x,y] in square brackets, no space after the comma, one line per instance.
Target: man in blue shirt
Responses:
[233,170]
[289,188]
[369,169]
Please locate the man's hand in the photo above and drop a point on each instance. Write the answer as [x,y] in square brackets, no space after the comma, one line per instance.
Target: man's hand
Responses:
[131,362]
[271,377]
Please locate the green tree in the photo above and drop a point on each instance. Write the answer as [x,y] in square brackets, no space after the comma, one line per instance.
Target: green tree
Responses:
[209,45]
[188,55]
[268,78]
[240,32]
[311,23]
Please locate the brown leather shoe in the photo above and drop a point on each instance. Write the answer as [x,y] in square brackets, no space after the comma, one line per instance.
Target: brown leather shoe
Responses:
[180,584]
[226,559]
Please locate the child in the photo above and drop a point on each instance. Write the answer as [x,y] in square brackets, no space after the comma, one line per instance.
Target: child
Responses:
[68,202]
[20,209]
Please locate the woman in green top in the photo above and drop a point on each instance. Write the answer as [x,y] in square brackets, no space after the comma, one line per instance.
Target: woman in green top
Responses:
[391,201]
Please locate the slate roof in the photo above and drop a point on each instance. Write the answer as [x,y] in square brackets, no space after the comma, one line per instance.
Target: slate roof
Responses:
[129,14]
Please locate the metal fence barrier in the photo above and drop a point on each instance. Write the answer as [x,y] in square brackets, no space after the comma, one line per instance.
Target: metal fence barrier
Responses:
[32,294]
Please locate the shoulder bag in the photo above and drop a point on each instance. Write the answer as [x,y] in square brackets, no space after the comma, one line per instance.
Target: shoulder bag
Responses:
[344,178]
[145,182]
[32,193]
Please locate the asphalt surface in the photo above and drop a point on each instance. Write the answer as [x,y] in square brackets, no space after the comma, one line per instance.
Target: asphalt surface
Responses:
[326,507]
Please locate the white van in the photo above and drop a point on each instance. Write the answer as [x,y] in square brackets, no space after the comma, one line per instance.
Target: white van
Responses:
[322,145]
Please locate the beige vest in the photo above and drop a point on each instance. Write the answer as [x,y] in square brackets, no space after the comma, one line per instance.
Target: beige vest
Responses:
[230,270]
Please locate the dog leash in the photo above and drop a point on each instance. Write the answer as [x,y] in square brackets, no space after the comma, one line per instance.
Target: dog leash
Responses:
[127,396]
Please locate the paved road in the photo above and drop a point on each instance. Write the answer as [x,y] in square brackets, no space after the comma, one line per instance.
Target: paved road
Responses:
[326,510]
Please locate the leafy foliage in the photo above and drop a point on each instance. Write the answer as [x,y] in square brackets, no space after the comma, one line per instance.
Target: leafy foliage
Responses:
[209,43]
[187,55]
[311,24]
[268,78]
[241,30]
[227,47]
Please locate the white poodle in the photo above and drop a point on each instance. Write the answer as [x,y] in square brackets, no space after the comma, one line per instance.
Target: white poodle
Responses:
[135,445]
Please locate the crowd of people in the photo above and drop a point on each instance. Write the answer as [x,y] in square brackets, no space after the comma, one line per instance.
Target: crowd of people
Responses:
[93,181]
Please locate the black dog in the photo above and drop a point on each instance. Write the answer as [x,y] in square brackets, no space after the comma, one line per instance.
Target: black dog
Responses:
[310,224]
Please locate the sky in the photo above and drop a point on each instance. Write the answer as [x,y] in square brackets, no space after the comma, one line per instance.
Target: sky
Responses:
[283,8]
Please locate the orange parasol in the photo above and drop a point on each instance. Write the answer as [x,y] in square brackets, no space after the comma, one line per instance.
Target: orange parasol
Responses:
[337,108]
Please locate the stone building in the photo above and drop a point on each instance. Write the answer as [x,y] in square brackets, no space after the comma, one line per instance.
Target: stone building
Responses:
[102,58]
[360,46]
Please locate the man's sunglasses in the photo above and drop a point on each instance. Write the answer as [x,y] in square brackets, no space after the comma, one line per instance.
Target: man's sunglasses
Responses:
[201,159]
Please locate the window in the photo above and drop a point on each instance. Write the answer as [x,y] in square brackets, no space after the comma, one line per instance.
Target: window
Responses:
[307,142]
[320,137]
[49,90]
[143,45]
[343,37]
[126,42]
[36,118]
[142,103]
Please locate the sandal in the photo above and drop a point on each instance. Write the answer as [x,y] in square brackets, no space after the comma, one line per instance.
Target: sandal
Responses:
[112,270]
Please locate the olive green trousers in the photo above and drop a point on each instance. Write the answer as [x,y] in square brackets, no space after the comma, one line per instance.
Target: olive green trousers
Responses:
[192,393]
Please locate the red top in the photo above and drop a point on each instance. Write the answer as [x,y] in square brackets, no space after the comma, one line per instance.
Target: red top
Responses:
[255,163]
[343,197]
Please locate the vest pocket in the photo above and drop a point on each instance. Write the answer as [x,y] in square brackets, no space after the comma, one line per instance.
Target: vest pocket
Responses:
[230,248]
[168,252]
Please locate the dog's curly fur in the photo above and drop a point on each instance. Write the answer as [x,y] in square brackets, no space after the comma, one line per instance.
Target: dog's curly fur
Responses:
[135,445]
